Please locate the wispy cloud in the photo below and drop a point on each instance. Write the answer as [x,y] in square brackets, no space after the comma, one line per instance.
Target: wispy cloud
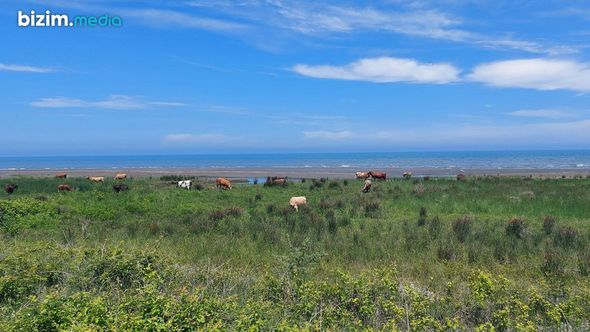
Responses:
[315,20]
[463,134]
[25,68]
[328,135]
[541,113]
[117,102]
[540,74]
[384,70]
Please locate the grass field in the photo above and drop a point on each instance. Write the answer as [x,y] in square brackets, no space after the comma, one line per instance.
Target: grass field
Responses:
[484,253]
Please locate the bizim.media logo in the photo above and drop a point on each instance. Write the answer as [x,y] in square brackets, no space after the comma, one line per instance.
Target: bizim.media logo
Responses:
[47,19]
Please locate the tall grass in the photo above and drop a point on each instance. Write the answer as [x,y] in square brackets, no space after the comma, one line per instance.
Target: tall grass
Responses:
[250,231]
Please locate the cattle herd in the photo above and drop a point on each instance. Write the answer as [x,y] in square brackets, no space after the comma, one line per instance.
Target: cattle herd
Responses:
[223,183]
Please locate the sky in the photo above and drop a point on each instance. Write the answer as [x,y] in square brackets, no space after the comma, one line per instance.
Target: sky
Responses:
[254,76]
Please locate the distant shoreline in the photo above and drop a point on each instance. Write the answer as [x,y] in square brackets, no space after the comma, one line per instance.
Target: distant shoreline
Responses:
[293,172]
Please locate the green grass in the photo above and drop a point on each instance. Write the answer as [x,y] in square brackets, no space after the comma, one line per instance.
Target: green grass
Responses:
[412,254]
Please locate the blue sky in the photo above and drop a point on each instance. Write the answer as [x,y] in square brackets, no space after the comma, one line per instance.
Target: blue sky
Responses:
[280,76]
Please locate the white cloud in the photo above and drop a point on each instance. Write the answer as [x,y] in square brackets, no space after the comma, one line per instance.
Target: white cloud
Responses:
[540,113]
[328,135]
[24,68]
[540,74]
[118,102]
[384,70]
[199,138]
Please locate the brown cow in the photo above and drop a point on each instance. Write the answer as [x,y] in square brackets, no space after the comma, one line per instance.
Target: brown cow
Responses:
[10,188]
[275,181]
[61,175]
[65,187]
[223,183]
[367,186]
[378,175]
[96,178]
[120,187]
[362,175]
[120,176]
[461,177]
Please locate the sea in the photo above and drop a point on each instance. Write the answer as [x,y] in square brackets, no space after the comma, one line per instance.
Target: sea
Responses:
[461,160]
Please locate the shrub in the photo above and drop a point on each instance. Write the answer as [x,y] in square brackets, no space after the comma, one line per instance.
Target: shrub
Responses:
[334,185]
[446,251]
[552,264]
[434,227]
[315,184]
[372,208]
[419,189]
[516,228]
[154,228]
[462,228]
[270,208]
[234,211]
[217,215]
[548,224]
[566,237]
[422,216]
[584,264]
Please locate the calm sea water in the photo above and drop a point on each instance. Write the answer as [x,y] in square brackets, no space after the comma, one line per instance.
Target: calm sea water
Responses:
[570,159]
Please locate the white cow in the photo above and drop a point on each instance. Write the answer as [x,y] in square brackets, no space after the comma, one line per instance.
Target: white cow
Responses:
[296,201]
[185,184]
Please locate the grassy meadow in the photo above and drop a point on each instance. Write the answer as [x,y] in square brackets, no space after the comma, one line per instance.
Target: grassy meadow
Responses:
[496,253]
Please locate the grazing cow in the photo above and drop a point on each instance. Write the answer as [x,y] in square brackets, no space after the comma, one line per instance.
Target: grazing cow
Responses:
[120,176]
[378,175]
[407,175]
[10,188]
[367,186]
[120,187]
[275,181]
[185,184]
[296,201]
[65,187]
[461,177]
[223,183]
[362,175]
[61,175]
[96,178]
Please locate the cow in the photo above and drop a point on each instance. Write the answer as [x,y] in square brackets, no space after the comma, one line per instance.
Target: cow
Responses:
[96,178]
[461,177]
[120,187]
[362,175]
[378,175]
[10,188]
[61,176]
[223,183]
[65,187]
[367,186]
[120,176]
[296,201]
[275,181]
[185,184]
[407,174]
